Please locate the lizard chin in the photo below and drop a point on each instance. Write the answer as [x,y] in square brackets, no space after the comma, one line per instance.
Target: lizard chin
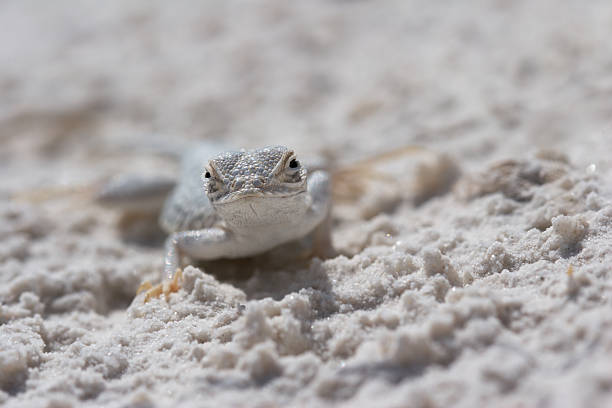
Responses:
[257,210]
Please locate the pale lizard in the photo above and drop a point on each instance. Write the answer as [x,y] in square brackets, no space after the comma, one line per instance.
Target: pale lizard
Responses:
[241,203]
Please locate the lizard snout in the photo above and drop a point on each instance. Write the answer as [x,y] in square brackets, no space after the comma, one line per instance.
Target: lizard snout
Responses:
[247,183]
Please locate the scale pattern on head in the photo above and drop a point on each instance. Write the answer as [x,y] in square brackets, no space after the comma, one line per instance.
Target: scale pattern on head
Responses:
[267,171]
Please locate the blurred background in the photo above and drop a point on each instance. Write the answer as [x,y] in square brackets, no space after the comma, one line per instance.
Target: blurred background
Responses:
[88,87]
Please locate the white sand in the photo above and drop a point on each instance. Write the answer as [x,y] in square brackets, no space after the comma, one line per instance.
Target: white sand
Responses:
[464,300]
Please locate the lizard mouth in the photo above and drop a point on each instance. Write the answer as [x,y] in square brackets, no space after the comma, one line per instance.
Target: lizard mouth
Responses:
[253,194]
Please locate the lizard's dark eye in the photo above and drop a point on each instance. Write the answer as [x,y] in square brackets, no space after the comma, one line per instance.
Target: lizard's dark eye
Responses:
[294,164]
[207,174]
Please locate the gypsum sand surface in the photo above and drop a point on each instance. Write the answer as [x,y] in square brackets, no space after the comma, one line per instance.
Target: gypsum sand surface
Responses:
[496,292]
[503,299]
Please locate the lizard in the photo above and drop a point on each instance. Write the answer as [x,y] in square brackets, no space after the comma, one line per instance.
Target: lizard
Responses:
[240,204]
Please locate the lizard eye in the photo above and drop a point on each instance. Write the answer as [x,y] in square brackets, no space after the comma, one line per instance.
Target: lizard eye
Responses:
[293,173]
[207,174]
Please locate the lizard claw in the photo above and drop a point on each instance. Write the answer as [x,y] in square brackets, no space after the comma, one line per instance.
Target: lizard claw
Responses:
[165,288]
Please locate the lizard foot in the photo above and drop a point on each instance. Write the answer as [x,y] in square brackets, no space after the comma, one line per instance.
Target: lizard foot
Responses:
[165,288]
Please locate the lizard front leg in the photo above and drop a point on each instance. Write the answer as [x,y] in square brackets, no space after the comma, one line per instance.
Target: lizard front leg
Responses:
[319,190]
[204,244]
[320,213]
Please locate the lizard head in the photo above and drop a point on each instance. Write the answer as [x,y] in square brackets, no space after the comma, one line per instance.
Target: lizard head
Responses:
[267,181]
